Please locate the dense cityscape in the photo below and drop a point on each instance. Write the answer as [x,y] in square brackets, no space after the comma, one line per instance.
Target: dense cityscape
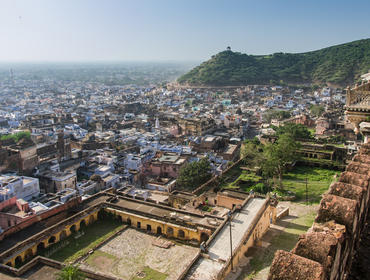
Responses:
[238,167]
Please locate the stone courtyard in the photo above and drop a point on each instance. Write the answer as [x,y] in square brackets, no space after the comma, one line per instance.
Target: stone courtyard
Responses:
[132,255]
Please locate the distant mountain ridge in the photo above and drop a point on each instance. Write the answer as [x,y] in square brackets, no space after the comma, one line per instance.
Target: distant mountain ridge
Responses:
[341,65]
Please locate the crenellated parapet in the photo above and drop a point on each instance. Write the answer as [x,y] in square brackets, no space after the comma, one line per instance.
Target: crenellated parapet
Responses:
[326,250]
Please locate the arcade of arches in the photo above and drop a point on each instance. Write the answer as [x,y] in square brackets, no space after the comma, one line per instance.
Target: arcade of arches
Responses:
[154,226]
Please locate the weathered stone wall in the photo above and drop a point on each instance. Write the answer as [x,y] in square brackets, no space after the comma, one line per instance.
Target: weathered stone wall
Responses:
[326,250]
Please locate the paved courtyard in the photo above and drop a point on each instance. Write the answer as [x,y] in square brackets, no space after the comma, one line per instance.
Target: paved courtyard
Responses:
[131,255]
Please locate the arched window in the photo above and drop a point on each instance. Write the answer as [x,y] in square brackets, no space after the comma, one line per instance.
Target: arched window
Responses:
[52,239]
[181,234]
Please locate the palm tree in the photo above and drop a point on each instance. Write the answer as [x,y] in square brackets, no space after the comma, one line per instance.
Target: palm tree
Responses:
[70,272]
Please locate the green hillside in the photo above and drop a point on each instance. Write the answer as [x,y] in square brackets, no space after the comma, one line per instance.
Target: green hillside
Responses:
[341,65]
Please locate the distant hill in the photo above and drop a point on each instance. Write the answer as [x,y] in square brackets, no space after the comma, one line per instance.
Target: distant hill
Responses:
[339,65]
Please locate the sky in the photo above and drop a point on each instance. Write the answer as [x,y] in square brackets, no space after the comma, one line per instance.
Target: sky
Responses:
[173,30]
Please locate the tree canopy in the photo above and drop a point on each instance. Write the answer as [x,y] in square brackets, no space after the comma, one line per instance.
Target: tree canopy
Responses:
[16,136]
[277,156]
[317,110]
[70,272]
[297,131]
[276,114]
[194,174]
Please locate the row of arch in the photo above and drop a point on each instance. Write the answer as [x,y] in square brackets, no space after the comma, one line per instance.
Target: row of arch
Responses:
[160,229]
[28,254]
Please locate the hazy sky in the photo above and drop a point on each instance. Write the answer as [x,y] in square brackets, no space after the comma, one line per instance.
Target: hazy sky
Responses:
[154,30]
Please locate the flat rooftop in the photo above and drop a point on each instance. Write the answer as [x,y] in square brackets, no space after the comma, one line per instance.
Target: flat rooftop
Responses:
[162,211]
[128,204]
[219,249]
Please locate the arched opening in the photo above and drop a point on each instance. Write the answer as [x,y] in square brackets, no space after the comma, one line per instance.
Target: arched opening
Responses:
[91,219]
[9,264]
[129,221]
[18,261]
[40,247]
[159,230]
[138,225]
[82,224]
[203,237]
[119,217]
[29,254]
[63,235]
[101,214]
[170,231]
[73,228]
[148,227]
[181,234]
[52,240]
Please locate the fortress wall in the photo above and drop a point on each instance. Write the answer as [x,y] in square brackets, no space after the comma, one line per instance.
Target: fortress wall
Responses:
[326,250]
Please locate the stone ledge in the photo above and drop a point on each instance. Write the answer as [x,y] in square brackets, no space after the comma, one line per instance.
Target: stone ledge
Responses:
[287,266]
[346,191]
[317,246]
[341,210]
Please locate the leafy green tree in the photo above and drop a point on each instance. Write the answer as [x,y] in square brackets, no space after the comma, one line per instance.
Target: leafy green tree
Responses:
[317,110]
[278,155]
[194,174]
[251,154]
[16,136]
[70,272]
[297,131]
[275,114]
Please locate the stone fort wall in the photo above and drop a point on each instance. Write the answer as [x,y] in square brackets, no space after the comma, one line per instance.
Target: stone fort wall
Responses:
[327,249]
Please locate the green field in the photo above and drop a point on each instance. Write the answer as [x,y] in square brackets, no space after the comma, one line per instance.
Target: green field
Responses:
[92,235]
[318,182]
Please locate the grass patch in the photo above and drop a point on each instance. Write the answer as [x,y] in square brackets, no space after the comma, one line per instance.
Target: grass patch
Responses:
[150,274]
[312,131]
[98,253]
[93,235]
[283,241]
[239,179]
[318,182]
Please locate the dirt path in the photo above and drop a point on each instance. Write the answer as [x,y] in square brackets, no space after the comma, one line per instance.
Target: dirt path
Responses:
[283,235]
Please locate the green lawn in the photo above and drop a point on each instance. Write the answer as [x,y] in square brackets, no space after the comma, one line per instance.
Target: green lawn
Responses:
[230,177]
[312,131]
[151,274]
[93,235]
[285,240]
[237,178]
[318,182]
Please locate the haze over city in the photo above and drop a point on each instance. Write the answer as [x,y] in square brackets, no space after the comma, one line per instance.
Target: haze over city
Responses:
[184,139]
[164,30]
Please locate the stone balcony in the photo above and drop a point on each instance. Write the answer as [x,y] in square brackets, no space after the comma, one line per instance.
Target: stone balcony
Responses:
[358,108]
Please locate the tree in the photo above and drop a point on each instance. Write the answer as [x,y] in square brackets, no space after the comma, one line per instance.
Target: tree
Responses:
[276,114]
[250,153]
[70,272]
[278,155]
[194,174]
[317,110]
[297,131]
